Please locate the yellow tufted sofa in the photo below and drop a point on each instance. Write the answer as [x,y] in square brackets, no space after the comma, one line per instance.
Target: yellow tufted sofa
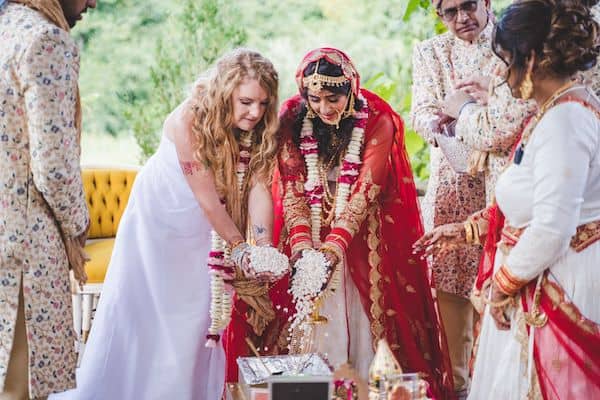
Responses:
[107,190]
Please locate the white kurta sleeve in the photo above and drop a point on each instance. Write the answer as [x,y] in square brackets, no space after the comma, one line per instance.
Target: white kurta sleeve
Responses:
[562,147]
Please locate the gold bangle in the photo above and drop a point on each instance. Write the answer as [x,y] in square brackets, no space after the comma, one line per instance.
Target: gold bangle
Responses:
[301,246]
[476,233]
[332,251]
[468,232]
[236,243]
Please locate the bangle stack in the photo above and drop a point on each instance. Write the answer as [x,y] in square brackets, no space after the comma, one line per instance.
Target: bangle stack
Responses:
[300,238]
[472,234]
[507,282]
[468,232]
[238,250]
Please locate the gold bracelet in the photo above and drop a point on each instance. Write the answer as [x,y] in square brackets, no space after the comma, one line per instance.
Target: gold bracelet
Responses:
[502,303]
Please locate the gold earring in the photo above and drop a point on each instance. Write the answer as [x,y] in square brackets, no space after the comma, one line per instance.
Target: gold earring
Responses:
[526,87]
[310,112]
[349,110]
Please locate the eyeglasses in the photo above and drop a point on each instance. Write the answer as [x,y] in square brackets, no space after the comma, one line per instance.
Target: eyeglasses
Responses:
[449,14]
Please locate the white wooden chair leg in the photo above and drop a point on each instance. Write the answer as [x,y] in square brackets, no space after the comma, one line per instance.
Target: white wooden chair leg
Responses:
[86,322]
[77,314]
[95,302]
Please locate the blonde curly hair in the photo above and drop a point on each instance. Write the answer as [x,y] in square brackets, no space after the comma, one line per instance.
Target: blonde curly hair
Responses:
[214,133]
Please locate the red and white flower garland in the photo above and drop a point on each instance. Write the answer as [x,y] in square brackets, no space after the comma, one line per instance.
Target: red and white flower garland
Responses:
[218,258]
[263,259]
[308,280]
[350,168]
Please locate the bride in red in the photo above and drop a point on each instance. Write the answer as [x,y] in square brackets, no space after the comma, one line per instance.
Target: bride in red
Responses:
[346,190]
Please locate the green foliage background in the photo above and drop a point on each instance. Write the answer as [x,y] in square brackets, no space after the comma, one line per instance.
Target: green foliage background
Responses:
[140,57]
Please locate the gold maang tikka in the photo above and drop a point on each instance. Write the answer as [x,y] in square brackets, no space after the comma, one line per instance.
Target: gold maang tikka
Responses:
[317,81]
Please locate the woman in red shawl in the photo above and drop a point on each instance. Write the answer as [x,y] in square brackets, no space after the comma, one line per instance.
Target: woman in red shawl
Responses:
[346,190]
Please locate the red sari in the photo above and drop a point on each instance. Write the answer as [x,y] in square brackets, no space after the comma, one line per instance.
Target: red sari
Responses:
[383,221]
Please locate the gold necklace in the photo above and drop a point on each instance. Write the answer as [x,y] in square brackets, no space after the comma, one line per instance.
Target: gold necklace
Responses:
[334,142]
[329,198]
[327,195]
[549,103]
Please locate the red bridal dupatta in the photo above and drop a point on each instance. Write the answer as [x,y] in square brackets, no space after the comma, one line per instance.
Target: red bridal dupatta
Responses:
[393,283]
[566,349]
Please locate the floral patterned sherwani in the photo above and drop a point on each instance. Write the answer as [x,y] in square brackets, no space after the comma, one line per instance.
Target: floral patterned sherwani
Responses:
[41,193]
[438,65]
[591,77]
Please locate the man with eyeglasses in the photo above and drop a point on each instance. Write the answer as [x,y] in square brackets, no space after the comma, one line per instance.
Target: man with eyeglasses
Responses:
[591,77]
[451,76]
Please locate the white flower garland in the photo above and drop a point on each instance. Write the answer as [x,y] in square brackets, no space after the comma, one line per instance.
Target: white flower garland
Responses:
[311,268]
[352,160]
[221,300]
[313,187]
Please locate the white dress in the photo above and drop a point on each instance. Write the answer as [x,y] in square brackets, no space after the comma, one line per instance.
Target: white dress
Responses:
[555,189]
[346,337]
[147,339]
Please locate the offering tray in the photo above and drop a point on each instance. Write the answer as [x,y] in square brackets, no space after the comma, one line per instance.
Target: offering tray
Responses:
[256,371]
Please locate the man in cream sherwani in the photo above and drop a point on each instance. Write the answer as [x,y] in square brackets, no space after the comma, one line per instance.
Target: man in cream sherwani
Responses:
[43,213]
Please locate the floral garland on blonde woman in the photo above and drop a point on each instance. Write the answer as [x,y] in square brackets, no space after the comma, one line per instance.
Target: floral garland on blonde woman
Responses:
[263,259]
[219,258]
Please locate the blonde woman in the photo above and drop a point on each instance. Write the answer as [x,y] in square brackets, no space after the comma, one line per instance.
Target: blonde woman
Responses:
[148,338]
